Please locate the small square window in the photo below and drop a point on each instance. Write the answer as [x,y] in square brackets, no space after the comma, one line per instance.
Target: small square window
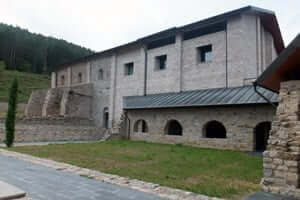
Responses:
[204,54]
[129,68]
[161,62]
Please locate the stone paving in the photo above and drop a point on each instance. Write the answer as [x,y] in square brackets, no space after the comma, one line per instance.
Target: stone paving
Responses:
[268,196]
[43,183]
[49,177]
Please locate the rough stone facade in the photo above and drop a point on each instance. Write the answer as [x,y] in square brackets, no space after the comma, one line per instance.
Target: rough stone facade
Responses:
[44,130]
[282,158]
[240,123]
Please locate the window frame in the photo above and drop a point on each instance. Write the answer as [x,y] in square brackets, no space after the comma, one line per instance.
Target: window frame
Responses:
[127,66]
[204,54]
[159,60]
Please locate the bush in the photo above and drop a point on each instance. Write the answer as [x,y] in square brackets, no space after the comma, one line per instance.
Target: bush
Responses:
[11,114]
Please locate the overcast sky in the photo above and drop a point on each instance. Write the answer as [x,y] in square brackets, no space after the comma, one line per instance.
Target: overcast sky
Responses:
[103,24]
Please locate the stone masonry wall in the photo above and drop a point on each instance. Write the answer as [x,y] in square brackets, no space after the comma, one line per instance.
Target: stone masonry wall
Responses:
[239,121]
[282,158]
[35,104]
[49,130]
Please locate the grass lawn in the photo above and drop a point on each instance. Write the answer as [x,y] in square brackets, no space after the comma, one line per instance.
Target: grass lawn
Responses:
[226,174]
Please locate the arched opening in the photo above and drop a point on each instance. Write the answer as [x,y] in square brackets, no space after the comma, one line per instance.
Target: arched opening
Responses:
[140,126]
[105,118]
[173,127]
[214,129]
[62,80]
[100,74]
[261,136]
[79,77]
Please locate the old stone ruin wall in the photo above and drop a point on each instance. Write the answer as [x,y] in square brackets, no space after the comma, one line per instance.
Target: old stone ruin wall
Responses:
[57,114]
[282,158]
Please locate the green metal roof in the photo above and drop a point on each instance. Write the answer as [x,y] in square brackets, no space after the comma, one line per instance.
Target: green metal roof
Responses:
[198,98]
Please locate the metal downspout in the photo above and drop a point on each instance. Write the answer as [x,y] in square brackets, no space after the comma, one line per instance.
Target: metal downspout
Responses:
[128,128]
[261,95]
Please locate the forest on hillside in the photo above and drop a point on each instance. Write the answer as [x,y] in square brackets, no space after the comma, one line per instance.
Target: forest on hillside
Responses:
[24,51]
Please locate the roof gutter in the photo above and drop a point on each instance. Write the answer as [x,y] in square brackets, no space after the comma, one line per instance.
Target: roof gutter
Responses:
[262,96]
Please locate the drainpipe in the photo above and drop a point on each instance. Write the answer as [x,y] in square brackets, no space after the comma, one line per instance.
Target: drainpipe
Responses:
[128,128]
[260,94]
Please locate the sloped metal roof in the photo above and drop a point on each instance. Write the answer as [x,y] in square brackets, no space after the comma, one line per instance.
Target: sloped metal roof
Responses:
[198,98]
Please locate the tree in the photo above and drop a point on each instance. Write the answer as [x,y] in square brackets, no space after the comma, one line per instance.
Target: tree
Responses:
[11,114]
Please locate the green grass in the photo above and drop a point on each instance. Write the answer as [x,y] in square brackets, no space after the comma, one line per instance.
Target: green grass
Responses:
[226,174]
[27,83]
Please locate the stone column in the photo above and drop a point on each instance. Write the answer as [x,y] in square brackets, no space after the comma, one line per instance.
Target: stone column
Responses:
[282,158]
[53,80]
[178,47]
[113,83]
[88,72]
[69,77]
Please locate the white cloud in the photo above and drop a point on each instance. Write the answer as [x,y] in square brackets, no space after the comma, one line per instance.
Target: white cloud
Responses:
[102,24]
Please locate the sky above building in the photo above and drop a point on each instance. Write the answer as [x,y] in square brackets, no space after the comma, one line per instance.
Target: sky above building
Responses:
[103,24]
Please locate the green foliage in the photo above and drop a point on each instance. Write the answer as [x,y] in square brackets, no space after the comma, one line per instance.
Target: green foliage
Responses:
[27,83]
[225,174]
[11,114]
[29,52]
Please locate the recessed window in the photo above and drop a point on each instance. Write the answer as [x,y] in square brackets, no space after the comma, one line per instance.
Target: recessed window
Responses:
[204,54]
[161,62]
[129,68]
[100,74]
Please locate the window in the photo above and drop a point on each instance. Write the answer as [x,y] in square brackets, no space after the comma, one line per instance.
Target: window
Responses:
[214,129]
[129,68]
[140,126]
[100,74]
[161,62]
[79,77]
[204,54]
[62,80]
[173,127]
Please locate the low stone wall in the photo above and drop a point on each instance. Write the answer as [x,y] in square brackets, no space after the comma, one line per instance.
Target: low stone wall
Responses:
[239,121]
[4,107]
[46,130]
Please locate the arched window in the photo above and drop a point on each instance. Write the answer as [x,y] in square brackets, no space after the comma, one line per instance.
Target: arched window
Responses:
[173,127]
[140,126]
[100,74]
[105,118]
[79,77]
[62,80]
[214,129]
[261,136]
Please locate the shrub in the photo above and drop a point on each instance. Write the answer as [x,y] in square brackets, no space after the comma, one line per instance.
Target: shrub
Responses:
[11,114]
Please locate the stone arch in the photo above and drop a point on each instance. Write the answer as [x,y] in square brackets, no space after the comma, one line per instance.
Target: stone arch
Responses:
[105,117]
[261,136]
[140,126]
[214,129]
[173,127]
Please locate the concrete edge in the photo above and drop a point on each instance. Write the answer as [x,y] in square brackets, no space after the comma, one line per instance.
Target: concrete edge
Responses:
[151,188]
[9,192]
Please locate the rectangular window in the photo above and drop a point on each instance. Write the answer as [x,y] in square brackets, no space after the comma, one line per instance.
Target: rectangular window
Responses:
[161,62]
[204,54]
[129,68]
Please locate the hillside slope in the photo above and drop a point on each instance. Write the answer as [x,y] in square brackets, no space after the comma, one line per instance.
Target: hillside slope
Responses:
[30,52]
[27,83]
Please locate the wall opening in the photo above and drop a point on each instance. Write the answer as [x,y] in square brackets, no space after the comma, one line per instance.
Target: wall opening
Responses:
[214,129]
[79,77]
[261,136]
[105,118]
[100,74]
[140,126]
[173,127]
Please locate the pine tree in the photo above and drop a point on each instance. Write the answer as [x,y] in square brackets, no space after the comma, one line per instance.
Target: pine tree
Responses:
[11,114]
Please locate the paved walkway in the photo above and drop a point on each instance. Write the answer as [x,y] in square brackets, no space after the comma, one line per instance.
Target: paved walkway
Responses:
[42,183]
